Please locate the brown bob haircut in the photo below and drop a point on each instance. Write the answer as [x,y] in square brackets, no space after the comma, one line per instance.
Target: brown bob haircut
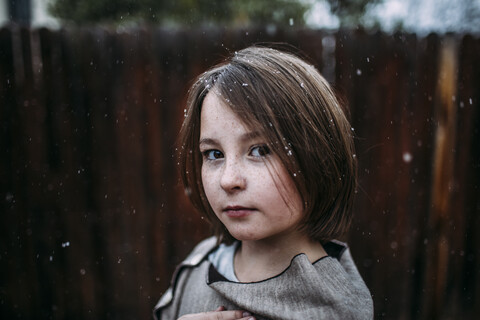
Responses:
[293,106]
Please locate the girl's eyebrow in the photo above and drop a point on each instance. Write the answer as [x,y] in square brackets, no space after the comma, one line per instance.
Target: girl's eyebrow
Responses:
[207,141]
[244,138]
[250,136]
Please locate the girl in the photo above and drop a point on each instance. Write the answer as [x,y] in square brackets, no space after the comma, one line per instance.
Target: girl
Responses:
[267,156]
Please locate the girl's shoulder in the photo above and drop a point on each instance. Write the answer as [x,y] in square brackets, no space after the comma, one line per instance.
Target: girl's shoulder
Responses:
[198,254]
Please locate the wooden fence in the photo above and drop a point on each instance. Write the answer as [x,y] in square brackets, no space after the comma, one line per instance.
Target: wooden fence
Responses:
[93,218]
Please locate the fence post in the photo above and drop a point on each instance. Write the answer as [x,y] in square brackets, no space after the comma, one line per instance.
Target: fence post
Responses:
[442,180]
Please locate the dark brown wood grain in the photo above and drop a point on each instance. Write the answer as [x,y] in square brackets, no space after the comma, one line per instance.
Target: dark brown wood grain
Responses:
[93,216]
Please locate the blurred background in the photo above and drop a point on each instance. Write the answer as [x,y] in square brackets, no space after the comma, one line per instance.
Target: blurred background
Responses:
[93,217]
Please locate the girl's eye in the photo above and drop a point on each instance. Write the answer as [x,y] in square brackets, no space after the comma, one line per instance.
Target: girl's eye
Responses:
[212,154]
[259,151]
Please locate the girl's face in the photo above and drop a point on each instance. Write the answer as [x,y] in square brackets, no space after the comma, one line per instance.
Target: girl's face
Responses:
[247,187]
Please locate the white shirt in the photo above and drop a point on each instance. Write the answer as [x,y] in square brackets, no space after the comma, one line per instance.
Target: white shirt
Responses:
[222,260]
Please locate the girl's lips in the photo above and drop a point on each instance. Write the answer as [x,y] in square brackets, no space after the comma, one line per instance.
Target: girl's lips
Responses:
[237,211]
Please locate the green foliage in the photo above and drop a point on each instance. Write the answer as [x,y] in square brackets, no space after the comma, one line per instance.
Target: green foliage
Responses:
[206,12]
[93,10]
[182,12]
[351,13]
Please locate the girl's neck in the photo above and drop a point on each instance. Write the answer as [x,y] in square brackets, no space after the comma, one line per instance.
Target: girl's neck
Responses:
[263,259]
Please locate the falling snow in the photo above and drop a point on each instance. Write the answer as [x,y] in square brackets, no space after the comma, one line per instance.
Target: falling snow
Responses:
[407,157]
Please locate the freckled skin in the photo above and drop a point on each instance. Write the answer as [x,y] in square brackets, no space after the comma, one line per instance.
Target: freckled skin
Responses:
[235,174]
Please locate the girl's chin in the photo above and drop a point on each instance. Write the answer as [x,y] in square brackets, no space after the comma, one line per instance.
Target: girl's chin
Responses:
[244,236]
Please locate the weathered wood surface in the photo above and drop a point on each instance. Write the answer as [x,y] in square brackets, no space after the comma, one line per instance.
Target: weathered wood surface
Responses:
[93,218]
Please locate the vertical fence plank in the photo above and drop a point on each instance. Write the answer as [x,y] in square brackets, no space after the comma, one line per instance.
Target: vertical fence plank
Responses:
[464,280]
[11,178]
[424,84]
[36,224]
[94,99]
[439,231]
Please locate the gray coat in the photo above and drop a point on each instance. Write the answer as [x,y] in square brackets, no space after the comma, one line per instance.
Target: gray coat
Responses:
[330,288]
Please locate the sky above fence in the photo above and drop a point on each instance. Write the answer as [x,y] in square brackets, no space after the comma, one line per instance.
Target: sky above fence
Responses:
[419,16]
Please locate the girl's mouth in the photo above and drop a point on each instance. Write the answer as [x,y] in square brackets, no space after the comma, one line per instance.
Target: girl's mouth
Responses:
[238,211]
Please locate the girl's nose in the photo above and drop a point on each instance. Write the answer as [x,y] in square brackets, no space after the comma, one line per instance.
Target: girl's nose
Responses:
[233,177]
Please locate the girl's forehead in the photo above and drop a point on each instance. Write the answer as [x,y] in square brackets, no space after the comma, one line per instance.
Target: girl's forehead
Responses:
[217,107]
[218,117]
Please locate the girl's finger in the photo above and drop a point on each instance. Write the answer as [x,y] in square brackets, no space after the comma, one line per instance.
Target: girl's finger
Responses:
[219,315]
[231,315]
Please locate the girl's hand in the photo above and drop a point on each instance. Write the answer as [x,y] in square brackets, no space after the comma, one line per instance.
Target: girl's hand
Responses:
[219,314]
